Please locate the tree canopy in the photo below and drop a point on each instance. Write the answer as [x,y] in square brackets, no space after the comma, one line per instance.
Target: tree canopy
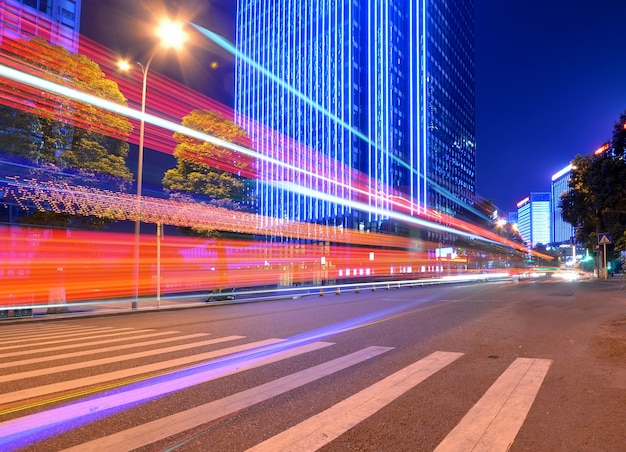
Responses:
[212,172]
[69,137]
[596,200]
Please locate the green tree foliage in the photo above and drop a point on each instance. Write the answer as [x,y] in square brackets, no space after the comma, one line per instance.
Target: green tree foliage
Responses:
[596,201]
[20,133]
[71,139]
[207,172]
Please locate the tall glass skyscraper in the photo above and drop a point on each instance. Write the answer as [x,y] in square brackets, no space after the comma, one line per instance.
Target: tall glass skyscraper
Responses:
[533,219]
[376,94]
[562,231]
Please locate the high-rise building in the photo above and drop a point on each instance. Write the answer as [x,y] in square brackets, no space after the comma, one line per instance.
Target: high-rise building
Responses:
[56,21]
[562,231]
[533,219]
[385,88]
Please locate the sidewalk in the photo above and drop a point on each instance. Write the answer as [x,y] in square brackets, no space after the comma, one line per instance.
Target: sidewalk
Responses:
[97,308]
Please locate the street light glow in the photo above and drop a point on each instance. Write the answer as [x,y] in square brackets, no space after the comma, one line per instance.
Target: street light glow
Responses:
[123,65]
[171,34]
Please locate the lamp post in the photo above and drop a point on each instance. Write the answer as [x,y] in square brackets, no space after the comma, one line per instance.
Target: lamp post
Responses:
[172,36]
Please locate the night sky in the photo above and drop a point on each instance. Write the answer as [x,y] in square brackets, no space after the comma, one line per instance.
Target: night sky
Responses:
[550,78]
[551,82]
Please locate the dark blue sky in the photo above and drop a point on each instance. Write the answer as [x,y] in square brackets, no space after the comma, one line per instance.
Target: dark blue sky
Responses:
[551,82]
[550,79]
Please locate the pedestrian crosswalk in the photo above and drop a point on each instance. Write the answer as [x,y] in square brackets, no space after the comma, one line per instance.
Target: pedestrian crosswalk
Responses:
[60,377]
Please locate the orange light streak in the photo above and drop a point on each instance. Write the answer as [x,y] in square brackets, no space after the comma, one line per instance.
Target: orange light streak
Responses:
[601,149]
[38,266]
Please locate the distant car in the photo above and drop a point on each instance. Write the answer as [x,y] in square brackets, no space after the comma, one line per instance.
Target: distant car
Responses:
[221,295]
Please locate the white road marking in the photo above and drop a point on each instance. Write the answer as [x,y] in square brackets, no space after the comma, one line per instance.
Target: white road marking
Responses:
[106,349]
[151,432]
[321,429]
[492,424]
[37,330]
[61,337]
[73,385]
[37,350]
[111,359]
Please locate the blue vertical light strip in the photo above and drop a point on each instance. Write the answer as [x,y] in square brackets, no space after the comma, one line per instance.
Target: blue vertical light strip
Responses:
[333,150]
[379,101]
[282,63]
[328,57]
[375,131]
[414,81]
[325,85]
[272,199]
[368,107]
[314,205]
[423,54]
[268,117]
[348,106]
[383,113]
[387,107]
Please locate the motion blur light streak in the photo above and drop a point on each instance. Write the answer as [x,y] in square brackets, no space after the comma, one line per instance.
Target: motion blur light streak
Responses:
[24,78]
[122,206]
[188,265]
[228,46]
[33,428]
[39,260]
[37,427]
[168,125]
[390,213]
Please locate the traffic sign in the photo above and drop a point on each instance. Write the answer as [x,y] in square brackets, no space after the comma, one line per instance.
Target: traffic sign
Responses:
[604,238]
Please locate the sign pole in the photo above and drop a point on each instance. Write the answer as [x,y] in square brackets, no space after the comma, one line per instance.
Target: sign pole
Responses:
[604,238]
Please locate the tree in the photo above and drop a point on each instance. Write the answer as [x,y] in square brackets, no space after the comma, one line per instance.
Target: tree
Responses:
[71,139]
[596,200]
[207,172]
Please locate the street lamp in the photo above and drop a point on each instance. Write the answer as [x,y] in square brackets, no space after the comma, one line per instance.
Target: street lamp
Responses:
[172,35]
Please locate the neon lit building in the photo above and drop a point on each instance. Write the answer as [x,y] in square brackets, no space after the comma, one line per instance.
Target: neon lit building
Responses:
[385,88]
[533,219]
[562,231]
[56,21]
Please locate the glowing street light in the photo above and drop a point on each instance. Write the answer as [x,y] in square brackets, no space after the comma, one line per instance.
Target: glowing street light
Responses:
[173,36]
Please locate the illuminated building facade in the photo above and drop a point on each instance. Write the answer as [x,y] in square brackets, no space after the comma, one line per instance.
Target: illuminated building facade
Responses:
[562,231]
[385,88]
[534,219]
[56,21]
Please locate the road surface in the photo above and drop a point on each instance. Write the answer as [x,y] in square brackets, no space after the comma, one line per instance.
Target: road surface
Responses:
[537,365]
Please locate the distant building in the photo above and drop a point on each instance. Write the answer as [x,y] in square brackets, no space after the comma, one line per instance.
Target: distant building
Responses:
[384,88]
[534,220]
[562,231]
[56,21]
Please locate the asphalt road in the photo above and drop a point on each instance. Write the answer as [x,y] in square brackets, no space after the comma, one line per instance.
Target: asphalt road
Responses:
[529,366]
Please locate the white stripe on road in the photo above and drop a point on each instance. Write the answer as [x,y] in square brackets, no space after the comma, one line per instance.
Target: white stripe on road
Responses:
[323,428]
[36,350]
[73,385]
[73,337]
[107,349]
[112,359]
[492,424]
[31,330]
[79,412]
[151,432]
